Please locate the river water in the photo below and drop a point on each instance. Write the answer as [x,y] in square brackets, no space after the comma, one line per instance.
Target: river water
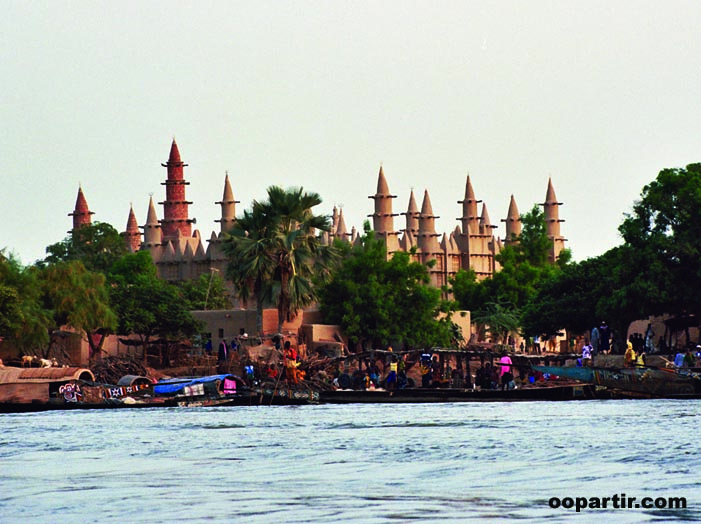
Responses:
[350,463]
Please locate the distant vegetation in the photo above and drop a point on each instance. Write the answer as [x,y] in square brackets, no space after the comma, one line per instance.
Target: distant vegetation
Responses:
[89,281]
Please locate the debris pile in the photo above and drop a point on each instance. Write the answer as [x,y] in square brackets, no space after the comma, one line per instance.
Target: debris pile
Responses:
[110,369]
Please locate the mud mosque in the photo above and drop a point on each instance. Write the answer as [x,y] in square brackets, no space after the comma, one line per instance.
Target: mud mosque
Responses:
[180,253]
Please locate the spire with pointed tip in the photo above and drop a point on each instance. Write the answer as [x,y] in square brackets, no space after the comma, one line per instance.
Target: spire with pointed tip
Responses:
[383,218]
[427,236]
[485,224]
[470,218]
[412,215]
[175,206]
[132,235]
[513,222]
[552,213]
[341,231]
[174,157]
[152,229]
[228,207]
[552,221]
[382,187]
[81,214]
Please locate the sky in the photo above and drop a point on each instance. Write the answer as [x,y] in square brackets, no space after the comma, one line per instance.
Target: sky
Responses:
[598,95]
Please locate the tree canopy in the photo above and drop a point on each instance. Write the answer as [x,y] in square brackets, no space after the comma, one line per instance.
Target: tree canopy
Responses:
[662,233]
[150,307]
[24,319]
[96,245]
[656,271]
[274,254]
[80,299]
[379,302]
[497,302]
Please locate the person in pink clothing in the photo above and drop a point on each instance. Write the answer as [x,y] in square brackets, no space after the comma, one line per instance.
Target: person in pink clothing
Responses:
[506,374]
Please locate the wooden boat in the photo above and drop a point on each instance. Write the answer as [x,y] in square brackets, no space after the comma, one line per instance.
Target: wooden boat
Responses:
[550,392]
[74,388]
[647,382]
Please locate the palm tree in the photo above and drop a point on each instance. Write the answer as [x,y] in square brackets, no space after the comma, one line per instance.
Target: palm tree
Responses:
[248,245]
[275,255]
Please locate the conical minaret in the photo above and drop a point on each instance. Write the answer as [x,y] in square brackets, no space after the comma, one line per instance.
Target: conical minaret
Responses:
[175,206]
[513,223]
[486,227]
[228,207]
[552,221]
[552,213]
[427,242]
[81,214]
[412,215]
[383,218]
[132,235]
[427,236]
[341,231]
[152,229]
[470,218]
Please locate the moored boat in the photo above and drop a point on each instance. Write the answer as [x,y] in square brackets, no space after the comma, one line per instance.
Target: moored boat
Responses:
[74,388]
[649,382]
[550,392]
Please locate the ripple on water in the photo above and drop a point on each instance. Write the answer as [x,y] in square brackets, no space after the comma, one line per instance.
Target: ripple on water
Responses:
[355,463]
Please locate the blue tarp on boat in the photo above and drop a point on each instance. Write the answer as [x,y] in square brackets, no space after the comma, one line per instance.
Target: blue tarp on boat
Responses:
[174,385]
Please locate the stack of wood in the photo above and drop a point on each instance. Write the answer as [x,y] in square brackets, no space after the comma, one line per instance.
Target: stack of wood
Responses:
[109,370]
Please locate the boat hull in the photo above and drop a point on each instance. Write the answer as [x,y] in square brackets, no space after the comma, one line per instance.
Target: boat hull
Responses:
[439,395]
[649,382]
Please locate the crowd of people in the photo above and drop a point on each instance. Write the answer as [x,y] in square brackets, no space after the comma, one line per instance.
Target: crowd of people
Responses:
[391,370]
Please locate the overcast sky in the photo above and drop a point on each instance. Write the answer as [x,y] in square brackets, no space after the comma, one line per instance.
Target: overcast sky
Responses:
[598,95]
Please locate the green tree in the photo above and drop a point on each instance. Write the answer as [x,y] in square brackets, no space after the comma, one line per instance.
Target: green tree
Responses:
[96,245]
[131,265]
[150,307]
[570,298]
[524,268]
[208,291]
[656,271]
[23,318]
[663,236]
[79,298]
[378,301]
[274,254]
[498,320]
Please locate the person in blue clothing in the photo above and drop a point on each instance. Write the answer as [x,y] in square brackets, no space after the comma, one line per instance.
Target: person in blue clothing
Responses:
[605,337]
[587,351]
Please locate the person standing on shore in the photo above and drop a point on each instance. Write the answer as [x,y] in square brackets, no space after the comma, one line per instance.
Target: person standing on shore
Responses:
[223,351]
[536,345]
[688,361]
[629,358]
[586,354]
[649,339]
[392,376]
[595,341]
[605,340]
[505,374]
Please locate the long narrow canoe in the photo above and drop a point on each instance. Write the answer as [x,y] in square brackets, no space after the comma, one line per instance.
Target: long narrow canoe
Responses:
[655,382]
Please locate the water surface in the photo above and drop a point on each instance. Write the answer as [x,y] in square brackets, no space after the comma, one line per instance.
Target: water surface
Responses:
[349,463]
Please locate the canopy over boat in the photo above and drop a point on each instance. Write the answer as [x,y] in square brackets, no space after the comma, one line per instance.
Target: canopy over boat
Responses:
[10,375]
[198,385]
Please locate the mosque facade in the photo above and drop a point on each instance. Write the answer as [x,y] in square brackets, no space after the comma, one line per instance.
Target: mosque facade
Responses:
[179,252]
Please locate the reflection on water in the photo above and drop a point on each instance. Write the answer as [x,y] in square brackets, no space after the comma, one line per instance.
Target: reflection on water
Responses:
[349,463]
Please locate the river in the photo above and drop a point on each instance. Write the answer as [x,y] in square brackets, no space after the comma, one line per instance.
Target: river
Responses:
[458,462]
